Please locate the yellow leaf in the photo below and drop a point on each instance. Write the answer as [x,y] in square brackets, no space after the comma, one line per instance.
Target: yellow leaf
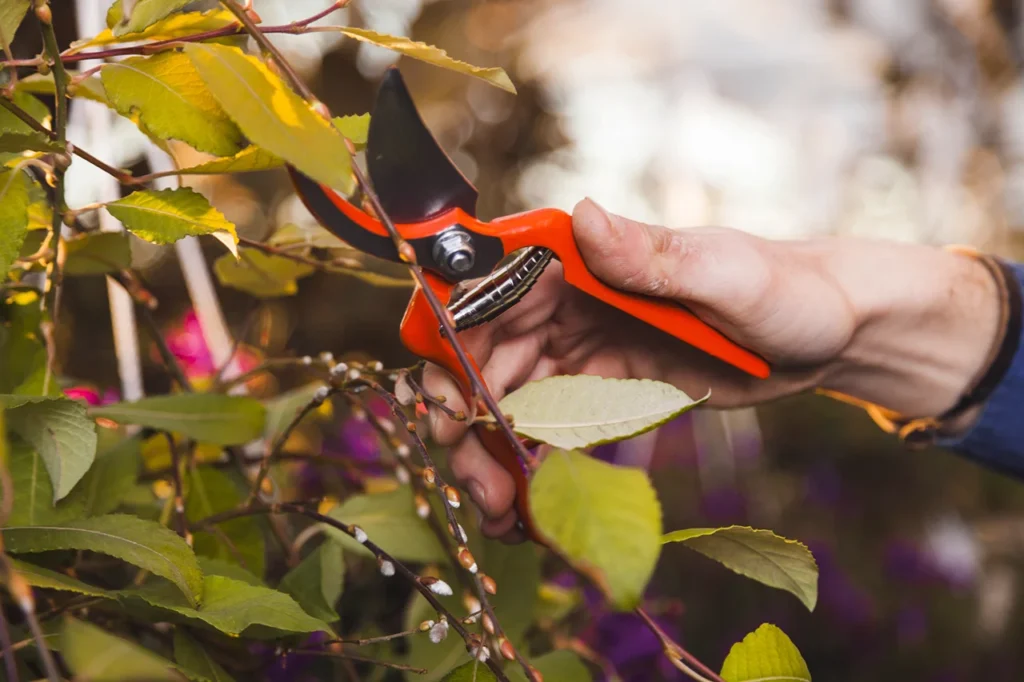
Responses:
[252,158]
[272,116]
[432,55]
[165,216]
[168,28]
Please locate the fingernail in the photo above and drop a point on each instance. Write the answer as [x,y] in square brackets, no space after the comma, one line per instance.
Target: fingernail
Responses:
[477,492]
[612,223]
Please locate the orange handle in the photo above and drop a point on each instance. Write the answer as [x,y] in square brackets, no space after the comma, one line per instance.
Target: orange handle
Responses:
[552,229]
[422,337]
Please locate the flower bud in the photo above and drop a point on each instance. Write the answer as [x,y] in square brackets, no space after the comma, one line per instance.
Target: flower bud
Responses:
[506,649]
[454,499]
[490,587]
[466,560]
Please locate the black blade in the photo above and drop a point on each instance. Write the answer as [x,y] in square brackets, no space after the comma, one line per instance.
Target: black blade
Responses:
[411,174]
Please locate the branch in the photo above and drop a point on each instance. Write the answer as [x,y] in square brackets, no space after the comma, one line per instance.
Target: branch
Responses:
[425,586]
[351,657]
[677,655]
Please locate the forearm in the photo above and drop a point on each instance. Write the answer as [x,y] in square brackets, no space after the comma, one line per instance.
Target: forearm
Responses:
[927,322]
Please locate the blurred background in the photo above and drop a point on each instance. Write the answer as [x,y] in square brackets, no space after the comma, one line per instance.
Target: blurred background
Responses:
[787,118]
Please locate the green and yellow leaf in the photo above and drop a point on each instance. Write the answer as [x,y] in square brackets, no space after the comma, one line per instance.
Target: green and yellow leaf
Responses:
[12,13]
[316,583]
[250,159]
[757,554]
[170,99]
[142,14]
[165,216]
[272,116]
[431,55]
[168,28]
[44,578]
[605,519]
[765,654]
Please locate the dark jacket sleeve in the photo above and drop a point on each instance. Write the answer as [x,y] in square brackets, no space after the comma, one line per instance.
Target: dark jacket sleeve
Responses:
[997,438]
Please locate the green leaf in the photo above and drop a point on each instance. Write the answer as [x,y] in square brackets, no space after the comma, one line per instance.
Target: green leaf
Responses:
[282,408]
[581,411]
[34,141]
[142,543]
[211,492]
[37,576]
[562,665]
[12,13]
[165,216]
[389,520]
[168,28]
[316,583]
[758,554]
[227,569]
[355,127]
[60,431]
[97,253]
[110,479]
[233,607]
[33,493]
[98,656]
[171,101]
[13,217]
[606,519]
[143,13]
[195,662]
[765,654]
[271,115]
[263,275]
[22,355]
[9,123]
[474,671]
[252,158]
[431,55]
[205,417]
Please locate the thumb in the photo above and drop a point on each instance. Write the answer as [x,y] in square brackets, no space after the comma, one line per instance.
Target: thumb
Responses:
[628,255]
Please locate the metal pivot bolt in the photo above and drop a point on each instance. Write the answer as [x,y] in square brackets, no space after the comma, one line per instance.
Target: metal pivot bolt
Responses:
[454,252]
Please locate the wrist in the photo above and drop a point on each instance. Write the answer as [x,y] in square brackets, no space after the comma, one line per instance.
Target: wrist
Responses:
[926,322]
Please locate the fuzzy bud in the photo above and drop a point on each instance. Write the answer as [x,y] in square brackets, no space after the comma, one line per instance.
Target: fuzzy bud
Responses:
[466,560]
[506,649]
[422,507]
[429,476]
[402,474]
[490,587]
[339,370]
[327,357]
[306,360]
[376,365]
[321,395]
[387,569]
[454,499]
[426,625]
[402,450]
[481,654]
[471,603]
[353,374]
[359,534]
[487,623]
[437,586]
[410,427]
[439,631]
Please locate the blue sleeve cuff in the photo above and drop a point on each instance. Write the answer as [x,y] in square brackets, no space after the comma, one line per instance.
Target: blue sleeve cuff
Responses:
[997,438]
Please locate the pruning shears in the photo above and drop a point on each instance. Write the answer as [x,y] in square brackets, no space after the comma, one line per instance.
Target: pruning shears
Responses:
[433,207]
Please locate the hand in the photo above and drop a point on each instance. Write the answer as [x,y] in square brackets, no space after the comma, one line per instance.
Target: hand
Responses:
[904,326]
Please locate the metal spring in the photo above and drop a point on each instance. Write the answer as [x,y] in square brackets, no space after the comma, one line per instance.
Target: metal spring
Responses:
[500,290]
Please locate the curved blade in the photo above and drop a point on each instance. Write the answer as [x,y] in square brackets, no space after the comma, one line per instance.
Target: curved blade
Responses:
[411,174]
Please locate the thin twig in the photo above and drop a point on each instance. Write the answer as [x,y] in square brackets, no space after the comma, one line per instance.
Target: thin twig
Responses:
[273,451]
[677,655]
[423,397]
[422,585]
[179,495]
[21,591]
